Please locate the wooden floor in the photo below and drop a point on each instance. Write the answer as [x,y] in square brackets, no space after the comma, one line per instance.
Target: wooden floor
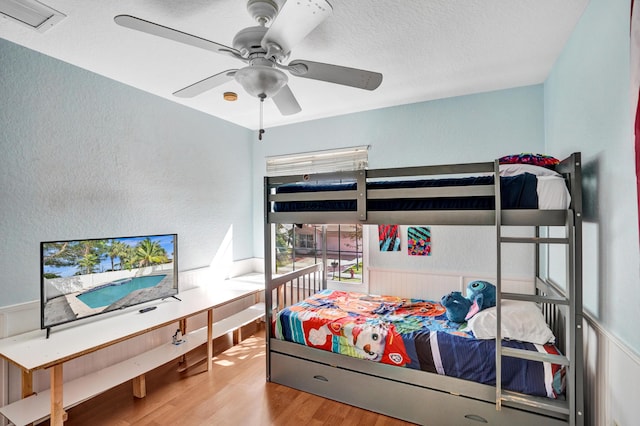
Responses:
[235,393]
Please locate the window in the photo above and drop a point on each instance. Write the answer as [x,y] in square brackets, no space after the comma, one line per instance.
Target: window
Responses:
[345,252]
[334,160]
[297,246]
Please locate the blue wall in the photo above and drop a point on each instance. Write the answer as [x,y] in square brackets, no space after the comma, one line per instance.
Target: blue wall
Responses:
[87,157]
[588,108]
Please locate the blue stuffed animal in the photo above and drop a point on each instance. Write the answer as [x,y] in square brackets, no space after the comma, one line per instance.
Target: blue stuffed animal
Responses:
[457,306]
[482,295]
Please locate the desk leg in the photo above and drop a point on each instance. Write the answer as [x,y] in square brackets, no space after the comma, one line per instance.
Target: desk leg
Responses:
[58,415]
[183,331]
[27,383]
[139,386]
[209,339]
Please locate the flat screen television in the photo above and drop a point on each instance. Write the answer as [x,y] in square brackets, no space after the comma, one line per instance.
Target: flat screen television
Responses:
[83,278]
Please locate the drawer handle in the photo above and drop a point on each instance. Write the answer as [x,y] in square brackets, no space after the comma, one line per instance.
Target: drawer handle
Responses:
[476,418]
[319,377]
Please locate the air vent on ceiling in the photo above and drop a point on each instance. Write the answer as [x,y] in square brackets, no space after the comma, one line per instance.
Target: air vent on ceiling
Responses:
[31,13]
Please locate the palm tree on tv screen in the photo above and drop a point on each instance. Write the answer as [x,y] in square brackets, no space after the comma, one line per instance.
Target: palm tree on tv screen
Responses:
[117,250]
[91,251]
[150,253]
[88,263]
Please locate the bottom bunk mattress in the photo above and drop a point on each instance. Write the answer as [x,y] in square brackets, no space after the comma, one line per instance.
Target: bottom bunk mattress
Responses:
[412,333]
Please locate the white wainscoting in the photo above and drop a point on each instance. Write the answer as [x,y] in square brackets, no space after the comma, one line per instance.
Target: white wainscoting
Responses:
[433,285]
[612,374]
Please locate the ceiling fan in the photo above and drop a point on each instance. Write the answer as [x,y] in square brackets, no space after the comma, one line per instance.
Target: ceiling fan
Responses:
[265,48]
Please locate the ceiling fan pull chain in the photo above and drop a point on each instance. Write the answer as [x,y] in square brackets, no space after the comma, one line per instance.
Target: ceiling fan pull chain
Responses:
[261,131]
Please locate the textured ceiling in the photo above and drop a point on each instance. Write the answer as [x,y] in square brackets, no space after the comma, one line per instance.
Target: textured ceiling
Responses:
[426,49]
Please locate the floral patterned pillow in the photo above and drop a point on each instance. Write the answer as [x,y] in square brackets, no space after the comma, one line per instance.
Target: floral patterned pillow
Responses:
[528,158]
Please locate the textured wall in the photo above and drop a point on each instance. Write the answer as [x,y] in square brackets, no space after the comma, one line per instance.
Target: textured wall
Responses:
[84,156]
[588,108]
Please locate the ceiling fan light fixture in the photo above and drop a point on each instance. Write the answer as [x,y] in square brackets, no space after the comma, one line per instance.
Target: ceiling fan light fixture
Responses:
[261,81]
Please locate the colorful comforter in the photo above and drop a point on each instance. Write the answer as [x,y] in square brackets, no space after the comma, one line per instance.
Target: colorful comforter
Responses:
[412,333]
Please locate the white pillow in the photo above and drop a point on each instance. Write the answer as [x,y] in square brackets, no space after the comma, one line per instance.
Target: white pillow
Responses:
[520,321]
[516,169]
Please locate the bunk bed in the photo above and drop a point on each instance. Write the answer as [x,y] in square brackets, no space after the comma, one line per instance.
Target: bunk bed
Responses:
[479,194]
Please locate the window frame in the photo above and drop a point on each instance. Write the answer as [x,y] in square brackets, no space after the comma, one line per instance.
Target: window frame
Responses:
[334,160]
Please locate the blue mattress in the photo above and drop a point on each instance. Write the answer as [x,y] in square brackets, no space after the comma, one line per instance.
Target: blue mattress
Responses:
[517,192]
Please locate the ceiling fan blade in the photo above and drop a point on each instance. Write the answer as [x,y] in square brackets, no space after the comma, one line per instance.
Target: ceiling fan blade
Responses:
[206,84]
[353,77]
[294,21]
[152,28]
[286,102]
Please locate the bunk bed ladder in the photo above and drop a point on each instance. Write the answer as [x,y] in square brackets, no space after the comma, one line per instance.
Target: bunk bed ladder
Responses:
[568,240]
[570,409]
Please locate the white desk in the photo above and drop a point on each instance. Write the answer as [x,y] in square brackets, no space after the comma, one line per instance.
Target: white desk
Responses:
[33,351]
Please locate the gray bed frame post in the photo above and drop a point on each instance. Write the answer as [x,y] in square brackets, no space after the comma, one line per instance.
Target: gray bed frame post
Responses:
[324,257]
[268,273]
[571,169]
[575,307]
[498,339]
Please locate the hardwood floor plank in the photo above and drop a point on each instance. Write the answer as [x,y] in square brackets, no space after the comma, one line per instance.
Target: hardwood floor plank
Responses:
[233,393]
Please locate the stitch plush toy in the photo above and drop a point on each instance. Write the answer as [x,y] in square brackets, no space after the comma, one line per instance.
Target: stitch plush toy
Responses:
[480,295]
[457,306]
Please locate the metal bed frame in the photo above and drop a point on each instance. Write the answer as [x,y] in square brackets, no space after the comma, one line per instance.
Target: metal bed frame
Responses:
[414,395]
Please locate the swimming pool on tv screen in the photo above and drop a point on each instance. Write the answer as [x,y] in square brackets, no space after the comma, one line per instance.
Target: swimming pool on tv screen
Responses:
[107,294]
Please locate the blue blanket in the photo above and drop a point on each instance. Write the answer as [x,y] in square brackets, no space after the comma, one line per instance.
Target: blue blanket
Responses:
[517,192]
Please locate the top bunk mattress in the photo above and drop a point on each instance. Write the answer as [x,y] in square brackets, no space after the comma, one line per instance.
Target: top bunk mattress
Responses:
[521,191]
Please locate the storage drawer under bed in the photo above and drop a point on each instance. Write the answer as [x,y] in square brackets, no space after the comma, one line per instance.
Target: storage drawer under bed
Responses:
[396,399]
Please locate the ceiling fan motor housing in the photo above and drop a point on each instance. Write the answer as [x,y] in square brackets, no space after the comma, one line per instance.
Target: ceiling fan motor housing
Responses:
[247,41]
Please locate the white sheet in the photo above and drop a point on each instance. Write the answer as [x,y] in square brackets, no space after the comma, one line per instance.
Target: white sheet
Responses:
[552,193]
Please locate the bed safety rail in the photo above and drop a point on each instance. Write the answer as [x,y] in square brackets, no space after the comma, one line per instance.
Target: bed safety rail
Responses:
[363,193]
[360,194]
[292,287]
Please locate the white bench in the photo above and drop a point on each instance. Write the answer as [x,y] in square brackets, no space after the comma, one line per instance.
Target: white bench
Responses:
[38,406]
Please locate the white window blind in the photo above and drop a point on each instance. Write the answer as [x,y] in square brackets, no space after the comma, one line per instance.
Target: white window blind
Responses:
[333,160]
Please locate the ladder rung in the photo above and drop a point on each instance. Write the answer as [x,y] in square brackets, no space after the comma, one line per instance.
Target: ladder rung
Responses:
[534,356]
[554,405]
[535,298]
[536,240]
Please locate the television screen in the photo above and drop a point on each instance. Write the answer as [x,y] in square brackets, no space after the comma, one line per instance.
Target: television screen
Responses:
[82,278]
